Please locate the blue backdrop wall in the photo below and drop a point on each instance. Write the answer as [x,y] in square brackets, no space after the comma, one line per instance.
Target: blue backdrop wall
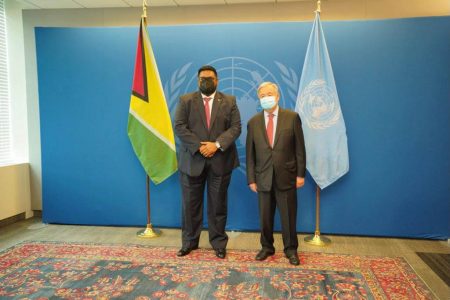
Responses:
[392,78]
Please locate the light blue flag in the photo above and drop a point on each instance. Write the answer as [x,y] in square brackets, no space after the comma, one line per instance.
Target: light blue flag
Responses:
[319,109]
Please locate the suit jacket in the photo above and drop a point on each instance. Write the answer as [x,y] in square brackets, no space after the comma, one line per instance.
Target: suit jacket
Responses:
[286,160]
[191,129]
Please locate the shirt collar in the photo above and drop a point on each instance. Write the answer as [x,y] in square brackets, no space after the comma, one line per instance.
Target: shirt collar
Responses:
[274,113]
[210,96]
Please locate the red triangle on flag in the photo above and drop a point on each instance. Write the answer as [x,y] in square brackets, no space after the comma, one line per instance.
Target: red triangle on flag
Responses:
[140,76]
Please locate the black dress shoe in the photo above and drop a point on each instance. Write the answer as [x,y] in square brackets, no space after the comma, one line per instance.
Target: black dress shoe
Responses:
[185,251]
[293,259]
[221,252]
[263,254]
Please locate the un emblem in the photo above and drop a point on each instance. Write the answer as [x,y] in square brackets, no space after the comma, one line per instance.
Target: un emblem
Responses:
[238,76]
[319,105]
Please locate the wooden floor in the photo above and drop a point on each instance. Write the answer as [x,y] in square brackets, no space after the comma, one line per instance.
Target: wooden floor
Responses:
[33,229]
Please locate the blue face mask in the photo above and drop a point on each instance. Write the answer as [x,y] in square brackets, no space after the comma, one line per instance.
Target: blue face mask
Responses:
[268,102]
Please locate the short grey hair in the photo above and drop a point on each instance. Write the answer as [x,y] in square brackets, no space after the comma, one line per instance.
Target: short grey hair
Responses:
[267,83]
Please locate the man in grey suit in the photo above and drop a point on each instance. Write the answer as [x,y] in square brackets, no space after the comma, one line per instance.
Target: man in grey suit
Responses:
[276,164]
[207,122]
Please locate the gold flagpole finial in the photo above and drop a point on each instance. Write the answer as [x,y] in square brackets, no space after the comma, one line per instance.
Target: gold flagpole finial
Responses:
[144,8]
[318,6]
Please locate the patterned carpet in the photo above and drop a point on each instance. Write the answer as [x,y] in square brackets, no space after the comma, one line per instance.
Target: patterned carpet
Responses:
[42,270]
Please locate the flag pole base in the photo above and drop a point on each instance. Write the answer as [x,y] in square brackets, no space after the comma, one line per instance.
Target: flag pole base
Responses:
[148,232]
[317,240]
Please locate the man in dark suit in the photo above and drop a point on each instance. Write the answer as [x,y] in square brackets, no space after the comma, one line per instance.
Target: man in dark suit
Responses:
[207,122]
[275,169]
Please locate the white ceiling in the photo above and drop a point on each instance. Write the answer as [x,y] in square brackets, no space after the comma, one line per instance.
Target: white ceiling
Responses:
[55,4]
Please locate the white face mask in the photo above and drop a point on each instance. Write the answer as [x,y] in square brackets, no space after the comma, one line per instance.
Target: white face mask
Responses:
[268,102]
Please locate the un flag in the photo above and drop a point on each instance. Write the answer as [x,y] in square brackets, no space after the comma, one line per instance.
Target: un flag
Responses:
[320,111]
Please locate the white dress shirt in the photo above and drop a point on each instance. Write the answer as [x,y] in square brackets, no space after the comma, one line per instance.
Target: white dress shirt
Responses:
[210,111]
[275,119]
[210,102]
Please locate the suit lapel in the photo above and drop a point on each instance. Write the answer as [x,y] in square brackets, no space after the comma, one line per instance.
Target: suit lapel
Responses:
[279,126]
[200,107]
[262,126]
[215,108]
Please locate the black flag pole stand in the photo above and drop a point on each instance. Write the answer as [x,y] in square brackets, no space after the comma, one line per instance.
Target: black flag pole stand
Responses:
[317,239]
[148,232]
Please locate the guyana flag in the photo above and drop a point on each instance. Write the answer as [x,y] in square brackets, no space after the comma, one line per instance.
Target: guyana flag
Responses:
[149,126]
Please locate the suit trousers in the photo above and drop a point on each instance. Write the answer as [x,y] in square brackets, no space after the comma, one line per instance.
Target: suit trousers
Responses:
[286,201]
[193,189]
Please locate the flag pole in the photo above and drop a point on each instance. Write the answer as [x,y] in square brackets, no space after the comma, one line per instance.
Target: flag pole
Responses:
[317,239]
[144,9]
[149,231]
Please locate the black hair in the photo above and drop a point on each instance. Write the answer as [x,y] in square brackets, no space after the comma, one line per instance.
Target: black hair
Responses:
[207,68]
